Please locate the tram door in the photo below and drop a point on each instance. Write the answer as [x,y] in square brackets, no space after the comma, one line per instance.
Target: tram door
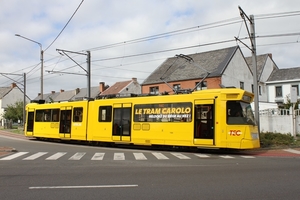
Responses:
[121,122]
[204,118]
[30,122]
[65,122]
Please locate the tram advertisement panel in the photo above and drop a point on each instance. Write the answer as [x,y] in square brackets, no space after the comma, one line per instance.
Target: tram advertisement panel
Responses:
[163,112]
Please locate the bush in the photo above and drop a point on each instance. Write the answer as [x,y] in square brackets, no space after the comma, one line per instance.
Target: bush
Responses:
[277,140]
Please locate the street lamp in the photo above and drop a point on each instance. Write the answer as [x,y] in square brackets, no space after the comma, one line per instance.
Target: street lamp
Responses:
[42,61]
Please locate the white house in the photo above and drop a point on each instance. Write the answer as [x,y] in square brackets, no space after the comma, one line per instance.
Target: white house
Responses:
[280,82]
[9,96]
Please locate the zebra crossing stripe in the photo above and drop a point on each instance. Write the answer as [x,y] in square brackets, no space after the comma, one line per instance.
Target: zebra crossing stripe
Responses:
[35,156]
[56,156]
[160,156]
[139,156]
[77,156]
[14,156]
[98,156]
[180,156]
[202,155]
[119,156]
[226,157]
[247,156]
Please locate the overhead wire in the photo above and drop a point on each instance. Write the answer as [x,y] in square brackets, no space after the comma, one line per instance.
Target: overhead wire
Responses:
[64,26]
[173,33]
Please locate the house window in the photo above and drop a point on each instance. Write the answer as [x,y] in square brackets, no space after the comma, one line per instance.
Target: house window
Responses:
[297,89]
[242,85]
[154,90]
[252,88]
[202,86]
[259,90]
[176,87]
[278,90]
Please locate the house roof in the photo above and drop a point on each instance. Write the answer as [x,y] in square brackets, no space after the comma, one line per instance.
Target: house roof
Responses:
[285,74]
[95,91]
[178,69]
[48,97]
[116,88]
[65,96]
[261,61]
[4,91]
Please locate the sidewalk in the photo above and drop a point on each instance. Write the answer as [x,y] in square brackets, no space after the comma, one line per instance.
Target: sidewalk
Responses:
[4,150]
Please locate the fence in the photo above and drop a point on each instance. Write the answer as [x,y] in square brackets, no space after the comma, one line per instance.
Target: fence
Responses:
[279,121]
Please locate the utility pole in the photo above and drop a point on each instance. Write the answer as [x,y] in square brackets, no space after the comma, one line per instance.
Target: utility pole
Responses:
[254,68]
[254,62]
[24,101]
[88,73]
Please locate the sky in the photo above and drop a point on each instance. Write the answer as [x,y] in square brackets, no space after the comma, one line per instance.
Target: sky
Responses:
[130,39]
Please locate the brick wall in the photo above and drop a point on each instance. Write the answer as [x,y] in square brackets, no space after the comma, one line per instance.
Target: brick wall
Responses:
[212,83]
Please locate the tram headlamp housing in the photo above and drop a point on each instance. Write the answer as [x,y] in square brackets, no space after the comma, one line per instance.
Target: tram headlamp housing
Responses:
[255,136]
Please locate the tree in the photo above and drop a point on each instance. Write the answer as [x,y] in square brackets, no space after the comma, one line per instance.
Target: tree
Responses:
[288,103]
[14,111]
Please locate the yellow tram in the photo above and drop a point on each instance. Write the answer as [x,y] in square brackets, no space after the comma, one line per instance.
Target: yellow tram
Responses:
[214,118]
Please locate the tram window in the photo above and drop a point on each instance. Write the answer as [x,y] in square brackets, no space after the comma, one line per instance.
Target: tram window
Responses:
[239,113]
[77,114]
[204,121]
[55,115]
[43,115]
[105,113]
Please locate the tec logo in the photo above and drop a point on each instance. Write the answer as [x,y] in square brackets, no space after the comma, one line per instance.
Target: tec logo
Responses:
[234,132]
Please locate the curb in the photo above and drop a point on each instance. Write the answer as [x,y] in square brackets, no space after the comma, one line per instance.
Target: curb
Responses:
[7,149]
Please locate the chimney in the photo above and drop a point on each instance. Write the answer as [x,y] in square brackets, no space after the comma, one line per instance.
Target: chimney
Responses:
[61,90]
[102,86]
[77,90]
[270,55]
[52,92]
[134,80]
[13,85]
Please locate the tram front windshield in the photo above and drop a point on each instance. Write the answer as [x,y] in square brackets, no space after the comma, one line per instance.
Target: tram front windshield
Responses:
[239,112]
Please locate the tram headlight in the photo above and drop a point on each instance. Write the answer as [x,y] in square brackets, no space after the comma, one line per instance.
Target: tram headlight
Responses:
[255,136]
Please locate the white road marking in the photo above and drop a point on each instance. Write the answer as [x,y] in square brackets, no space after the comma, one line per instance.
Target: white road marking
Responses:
[292,151]
[247,156]
[14,156]
[35,156]
[56,156]
[119,156]
[226,157]
[160,156]
[98,156]
[139,156]
[202,155]
[77,156]
[180,156]
[83,186]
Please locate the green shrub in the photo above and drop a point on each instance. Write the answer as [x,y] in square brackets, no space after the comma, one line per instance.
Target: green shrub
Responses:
[277,140]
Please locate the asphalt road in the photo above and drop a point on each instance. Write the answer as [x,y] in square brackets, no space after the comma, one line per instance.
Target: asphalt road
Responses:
[180,175]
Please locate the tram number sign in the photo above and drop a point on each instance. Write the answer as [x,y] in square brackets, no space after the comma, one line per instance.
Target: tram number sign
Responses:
[235,132]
